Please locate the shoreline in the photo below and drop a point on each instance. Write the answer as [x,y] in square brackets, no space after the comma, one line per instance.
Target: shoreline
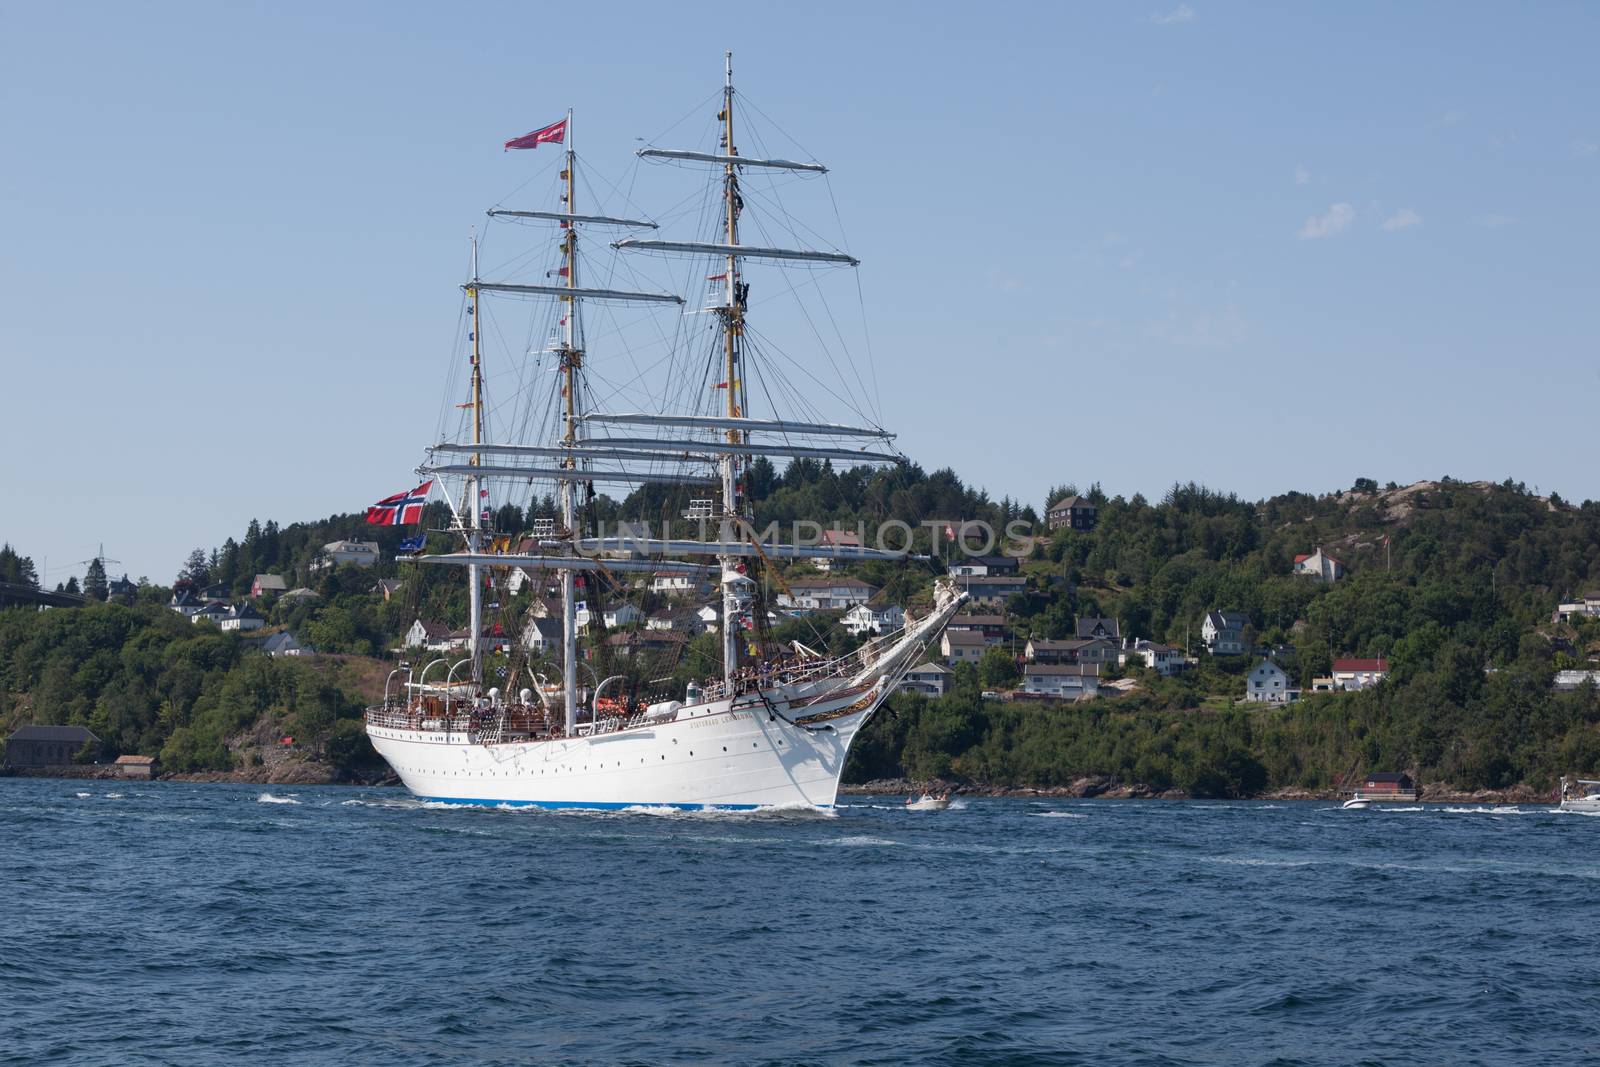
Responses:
[1088,787]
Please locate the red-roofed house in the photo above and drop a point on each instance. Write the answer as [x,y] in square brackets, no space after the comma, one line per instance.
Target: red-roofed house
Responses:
[1319,565]
[1359,673]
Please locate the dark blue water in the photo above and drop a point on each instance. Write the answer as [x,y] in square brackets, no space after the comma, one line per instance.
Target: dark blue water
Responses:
[171,923]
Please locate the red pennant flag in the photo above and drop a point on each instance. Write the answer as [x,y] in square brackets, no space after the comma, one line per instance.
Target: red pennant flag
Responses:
[553,134]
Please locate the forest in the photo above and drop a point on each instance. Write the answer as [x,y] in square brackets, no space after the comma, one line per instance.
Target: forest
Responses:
[1453,582]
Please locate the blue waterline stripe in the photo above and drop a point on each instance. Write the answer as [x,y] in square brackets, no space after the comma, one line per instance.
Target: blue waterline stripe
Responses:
[595,805]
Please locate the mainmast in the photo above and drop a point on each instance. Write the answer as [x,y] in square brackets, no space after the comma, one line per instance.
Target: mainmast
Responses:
[474,529]
[571,359]
[732,328]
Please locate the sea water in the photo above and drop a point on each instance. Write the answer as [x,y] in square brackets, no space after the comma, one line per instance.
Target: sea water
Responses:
[178,923]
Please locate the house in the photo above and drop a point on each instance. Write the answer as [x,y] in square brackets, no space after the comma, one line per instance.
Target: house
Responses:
[492,638]
[1071,513]
[267,583]
[992,627]
[1064,681]
[679,585]
[873,619]
[679,620]
[709,616]
[1586,606]
[835,539]
[1045,650]
[1269,684]
[614,618]
[1223,632]
[216,593]
[1093,627]
[1359,673]
[46,746]
[636,642]
[339,553]
[827,594]
[284,643]
[1567,681]
[930,679]
[122,589]
[185,603]
[388,587]
[296,595]
[433,636]
[984,567]
[1392,782]
[962,646]
[136,766]
[241,618]
[995,590]
[1319,565]
[542,636]
[213,613]
[1163,659]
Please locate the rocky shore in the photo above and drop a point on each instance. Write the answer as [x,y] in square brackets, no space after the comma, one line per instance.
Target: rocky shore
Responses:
[1104,787]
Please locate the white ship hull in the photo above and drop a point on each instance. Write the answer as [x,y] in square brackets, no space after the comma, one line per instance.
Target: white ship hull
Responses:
[726,754]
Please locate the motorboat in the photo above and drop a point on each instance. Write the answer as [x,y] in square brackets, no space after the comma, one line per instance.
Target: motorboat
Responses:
[928,802]
[1580,794]
[1356,803]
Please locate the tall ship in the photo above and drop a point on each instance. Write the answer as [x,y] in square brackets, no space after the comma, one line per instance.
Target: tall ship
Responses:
[772,723]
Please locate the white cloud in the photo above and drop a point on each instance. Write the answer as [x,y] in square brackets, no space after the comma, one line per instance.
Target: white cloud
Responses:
[1493,222]
[1302,176]
[1402,219]
[1336,219]
[1585,146]
[1453,118]
[1181,13]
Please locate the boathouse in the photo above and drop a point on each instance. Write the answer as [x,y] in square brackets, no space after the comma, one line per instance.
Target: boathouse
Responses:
[1388,782]
[46,746]
[136,766]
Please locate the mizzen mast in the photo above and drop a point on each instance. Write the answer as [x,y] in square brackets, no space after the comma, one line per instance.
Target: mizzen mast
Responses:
[735,584]
[474,485]
[571,360]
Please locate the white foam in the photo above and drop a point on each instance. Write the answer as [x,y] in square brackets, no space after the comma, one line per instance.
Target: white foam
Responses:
[83,796]
[268,798]
[1058,815]
[859,840]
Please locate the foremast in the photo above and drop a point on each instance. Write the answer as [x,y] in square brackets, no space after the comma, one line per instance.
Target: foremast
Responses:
[571,360]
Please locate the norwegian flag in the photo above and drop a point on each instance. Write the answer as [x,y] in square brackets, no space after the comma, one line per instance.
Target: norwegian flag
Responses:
[402,509]
[552,134]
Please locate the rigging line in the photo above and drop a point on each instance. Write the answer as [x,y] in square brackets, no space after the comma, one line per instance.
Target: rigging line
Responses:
[746,101]
[802,368]
[844,345]
[555,160]
[687,115]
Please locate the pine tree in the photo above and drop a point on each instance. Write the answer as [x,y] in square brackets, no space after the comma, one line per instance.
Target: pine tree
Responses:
[194,569]
[94,580]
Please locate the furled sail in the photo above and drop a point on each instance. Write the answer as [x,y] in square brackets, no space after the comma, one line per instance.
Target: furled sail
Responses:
[739,161]
[745,251]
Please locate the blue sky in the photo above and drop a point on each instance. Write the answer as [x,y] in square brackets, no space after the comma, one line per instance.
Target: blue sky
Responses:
[1265,247]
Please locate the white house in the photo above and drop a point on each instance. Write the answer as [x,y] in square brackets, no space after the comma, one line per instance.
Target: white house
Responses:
[835,539]
[929,679]
[614,617]
[1352,674]
[1223,632]
[433,636]
[1586,606]
[679,585]
[185,603]
[993,590]
[1163,659]
[284,644]
[338,553]
[1319,565]
[1066,681]
[1269,684]
[541,636]
[962,646]
[827,594]
[241,618]
[984,567]
[875,619]
[212,612]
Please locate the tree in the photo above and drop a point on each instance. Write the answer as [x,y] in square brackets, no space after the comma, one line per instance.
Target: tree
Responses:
[194,568]
[17,569]
[94,580]
[997,669]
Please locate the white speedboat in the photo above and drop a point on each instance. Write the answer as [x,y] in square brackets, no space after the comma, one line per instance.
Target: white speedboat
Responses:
[1356,803]
[1580,794]
[928,802]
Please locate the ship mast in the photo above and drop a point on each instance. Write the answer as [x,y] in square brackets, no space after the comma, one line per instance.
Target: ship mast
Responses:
[571,359]
[474,530]
[732,320]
